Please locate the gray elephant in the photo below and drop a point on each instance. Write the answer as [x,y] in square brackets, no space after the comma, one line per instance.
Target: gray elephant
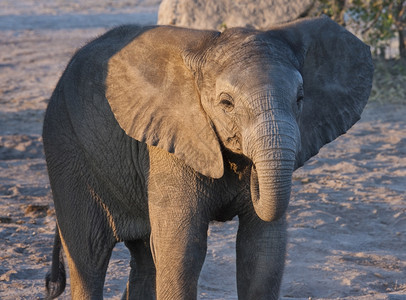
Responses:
[152,132]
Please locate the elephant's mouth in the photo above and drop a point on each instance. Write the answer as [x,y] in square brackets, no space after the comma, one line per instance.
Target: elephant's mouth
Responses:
[254,185]
[234,143]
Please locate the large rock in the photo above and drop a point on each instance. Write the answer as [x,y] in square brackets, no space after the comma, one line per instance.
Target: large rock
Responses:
[218,14]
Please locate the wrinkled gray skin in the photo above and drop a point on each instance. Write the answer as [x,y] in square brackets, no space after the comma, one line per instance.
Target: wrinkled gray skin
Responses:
[153,132]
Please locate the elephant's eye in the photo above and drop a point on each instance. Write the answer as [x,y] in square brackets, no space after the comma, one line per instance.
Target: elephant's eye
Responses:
[226,102]
[300,97]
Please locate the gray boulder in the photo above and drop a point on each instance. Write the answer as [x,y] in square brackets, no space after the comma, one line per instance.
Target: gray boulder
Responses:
[218,14]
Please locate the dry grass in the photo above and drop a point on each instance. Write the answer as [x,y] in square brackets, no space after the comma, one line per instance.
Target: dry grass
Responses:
[389,85]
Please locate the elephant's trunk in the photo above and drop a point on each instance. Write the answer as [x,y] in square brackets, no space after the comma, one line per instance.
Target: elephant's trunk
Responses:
[272,148]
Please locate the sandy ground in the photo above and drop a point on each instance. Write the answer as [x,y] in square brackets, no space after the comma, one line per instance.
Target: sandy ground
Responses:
[347,218]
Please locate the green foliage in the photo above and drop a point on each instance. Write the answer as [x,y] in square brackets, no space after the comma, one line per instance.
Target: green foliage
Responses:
[335,9]
[377,20]
[389,81]
[222,27]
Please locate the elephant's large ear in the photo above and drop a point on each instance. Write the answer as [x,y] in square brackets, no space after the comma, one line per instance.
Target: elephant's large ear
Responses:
[153,96]
[337,74]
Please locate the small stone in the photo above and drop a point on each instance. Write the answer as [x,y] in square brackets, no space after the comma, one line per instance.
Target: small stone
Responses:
[5,220]
[38,210]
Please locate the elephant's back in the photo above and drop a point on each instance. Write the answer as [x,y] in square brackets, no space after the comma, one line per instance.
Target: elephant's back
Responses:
[82,85]
[79,105]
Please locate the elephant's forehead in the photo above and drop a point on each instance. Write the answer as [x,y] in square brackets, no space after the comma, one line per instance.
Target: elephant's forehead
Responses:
[247,48]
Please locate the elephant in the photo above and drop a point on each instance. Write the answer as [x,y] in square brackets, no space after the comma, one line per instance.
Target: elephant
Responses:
[153,132]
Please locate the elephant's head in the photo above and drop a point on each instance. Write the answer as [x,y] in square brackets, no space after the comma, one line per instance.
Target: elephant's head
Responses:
[276,97]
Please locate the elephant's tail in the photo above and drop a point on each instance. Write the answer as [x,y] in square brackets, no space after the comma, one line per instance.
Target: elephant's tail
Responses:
[56,278]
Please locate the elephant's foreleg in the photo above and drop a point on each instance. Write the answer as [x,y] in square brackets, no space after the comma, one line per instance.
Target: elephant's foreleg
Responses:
[261,248]
[141,283]
[178,242]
